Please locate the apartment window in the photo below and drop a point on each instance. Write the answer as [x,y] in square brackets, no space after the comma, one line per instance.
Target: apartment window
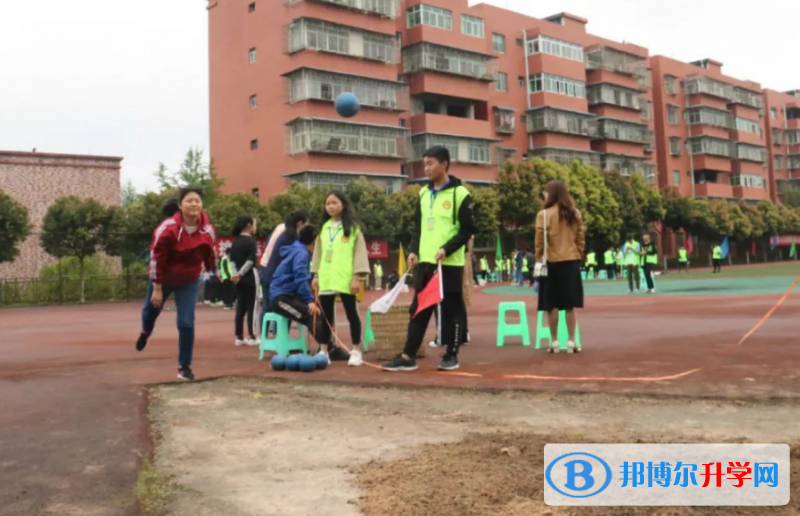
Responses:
[779,161]
[428,15]
[555,47]
[557,84]
[748,126]
[471,26]
[499,43]
[521,81]
[750,152]
[252,54]
[676,177]
[709,116]
[251,8]
[669,84]
[748,181]
[253,144]
[255,192]
[253,101]
[502,82]
[774,113]
[711,146]
[675,146]
[616,95]
[672,114]
[646,109]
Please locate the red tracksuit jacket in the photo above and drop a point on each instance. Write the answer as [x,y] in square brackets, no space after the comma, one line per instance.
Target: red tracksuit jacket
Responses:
[177,257]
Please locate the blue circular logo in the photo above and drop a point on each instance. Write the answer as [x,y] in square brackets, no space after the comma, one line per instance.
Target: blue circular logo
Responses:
[579,466]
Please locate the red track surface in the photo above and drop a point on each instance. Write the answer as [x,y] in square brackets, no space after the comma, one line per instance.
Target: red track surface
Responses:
[73,429]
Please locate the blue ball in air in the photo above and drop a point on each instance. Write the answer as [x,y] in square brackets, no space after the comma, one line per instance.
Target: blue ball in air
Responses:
[278,363]
[321,362]
[307,364]
[347,105]
[293,363]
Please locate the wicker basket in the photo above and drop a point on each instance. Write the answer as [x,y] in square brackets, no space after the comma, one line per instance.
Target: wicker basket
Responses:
[390,330]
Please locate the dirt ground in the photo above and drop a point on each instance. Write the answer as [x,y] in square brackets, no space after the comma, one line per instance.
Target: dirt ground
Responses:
[247,447]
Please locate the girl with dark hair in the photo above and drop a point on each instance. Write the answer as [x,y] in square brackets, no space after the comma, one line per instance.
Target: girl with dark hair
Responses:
[243,261]
[283,235]
[170,208]
[560,246]
[338,264]
[182,245]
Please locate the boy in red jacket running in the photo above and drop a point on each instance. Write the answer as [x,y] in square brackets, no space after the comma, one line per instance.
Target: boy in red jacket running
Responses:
[182,246]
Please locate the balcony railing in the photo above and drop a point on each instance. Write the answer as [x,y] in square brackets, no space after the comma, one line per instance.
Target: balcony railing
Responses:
[650,144]
[613,60]
[794,162]
[311,84]
[793,136]
[559,121]
[462,150]
[614,95]
[705,115]
[748,98]
[566,156]
[751,153]
[332,137]
[505,120]
[703,85]
[712,147]
[312,34]
[384,8]
[437,58]
[625,165]
[621,130]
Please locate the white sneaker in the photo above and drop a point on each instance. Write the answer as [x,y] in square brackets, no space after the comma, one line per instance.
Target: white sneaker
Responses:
[253,342]
[434,344]
[554,347]
[240,342]
[324,354]
[570,347]
[356,358]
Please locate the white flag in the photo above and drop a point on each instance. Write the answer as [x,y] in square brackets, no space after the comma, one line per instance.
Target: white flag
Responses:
[382,305]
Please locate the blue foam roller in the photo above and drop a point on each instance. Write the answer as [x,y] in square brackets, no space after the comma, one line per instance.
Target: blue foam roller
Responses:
[347,105]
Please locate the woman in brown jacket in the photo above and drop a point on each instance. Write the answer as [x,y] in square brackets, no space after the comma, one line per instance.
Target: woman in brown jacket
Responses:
[562,289]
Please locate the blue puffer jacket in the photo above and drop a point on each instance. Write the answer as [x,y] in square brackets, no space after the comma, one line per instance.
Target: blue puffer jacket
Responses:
[293,275]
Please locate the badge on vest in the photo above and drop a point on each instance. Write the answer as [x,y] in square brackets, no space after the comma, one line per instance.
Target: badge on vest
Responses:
[345,239]
[329,255]
[447,205]
[430,223]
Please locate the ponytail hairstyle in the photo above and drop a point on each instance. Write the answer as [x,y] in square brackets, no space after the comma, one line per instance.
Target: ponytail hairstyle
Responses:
[240,224]
[558,194]
[349,217]
[170,208]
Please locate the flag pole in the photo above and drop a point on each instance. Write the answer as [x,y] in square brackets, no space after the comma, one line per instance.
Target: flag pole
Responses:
[439,308]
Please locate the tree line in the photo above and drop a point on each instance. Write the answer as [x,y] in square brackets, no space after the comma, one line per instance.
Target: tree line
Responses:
[613,207]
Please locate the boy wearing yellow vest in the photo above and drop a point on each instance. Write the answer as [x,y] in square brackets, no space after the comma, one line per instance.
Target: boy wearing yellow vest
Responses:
[443,224]
[683,260]
[632,258]
[339,263]
[378,269]
[608,263]
[650,256]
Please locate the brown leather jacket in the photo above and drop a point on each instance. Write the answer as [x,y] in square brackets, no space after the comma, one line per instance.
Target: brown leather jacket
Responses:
[564,242]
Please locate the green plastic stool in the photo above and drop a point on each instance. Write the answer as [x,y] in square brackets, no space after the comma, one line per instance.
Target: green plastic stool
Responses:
[590,275]
[543,332]
[283,342]
[369,336]
[602,274]
[624,272]
[505,329]
[583,275]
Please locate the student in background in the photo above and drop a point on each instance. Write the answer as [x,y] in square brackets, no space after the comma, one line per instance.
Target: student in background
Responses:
[591,263]
[608,262]
[377,270]
[716,256]
[683,260]
[243,261]
[632,258]
[650,255]
[225,274]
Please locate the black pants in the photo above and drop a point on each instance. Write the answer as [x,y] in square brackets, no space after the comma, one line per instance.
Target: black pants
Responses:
[683,266]
[465,324]
[611,270]
[717,265]
[295,309]
[228,293]
[453,320]
[245,305]
[648,275]
[328,303]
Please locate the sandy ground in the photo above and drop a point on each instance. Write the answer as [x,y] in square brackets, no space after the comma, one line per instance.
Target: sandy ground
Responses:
[247,447]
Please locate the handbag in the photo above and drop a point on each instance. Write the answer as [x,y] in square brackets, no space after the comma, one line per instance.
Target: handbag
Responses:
[540,268]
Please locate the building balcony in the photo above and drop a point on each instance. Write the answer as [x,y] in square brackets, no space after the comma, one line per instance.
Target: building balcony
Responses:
[505,120]
[702,115]
[702,85]
[714,190]
[323,136]
[446,85]
[443,124]
[747,98]
[625,165]
[650,144]
[437,58]
[793,123]
[794,162]
[755,194]
[322,36]
[463,149]
[548,119]
[382,8]
[626,98]
[708,162]
[752,153]
[566,156]
[623,131]
[321,85]
[609,59]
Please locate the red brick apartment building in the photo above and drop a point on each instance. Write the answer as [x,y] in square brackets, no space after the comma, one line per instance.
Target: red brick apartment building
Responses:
[488,83]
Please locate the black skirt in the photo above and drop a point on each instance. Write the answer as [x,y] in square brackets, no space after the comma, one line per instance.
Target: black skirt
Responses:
[562,289]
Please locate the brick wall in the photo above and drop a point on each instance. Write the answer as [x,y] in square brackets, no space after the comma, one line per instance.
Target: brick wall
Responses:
[37,180]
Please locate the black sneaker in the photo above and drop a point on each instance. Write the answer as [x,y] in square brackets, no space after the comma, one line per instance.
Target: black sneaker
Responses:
[400,364]
[337,354]
[449,363]
[141,343]
[185,373]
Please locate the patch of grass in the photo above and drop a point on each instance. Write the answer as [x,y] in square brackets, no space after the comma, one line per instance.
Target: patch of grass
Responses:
[153,490]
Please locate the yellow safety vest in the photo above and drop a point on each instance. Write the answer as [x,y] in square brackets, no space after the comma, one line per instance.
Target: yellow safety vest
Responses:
[440,223]
[337,250]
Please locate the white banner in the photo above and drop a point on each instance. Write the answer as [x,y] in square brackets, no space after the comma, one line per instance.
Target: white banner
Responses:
[382,305]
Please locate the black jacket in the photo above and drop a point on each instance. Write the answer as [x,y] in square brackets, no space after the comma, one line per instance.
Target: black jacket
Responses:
[244,249]
[466,220]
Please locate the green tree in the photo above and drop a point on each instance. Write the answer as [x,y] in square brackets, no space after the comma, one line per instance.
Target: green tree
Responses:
[371,204]
[789,220]
[742,227]
[679,211]
[649,200]
[520,193]
[771,216]
[14,227]
[298,196]
[79,228]
[756,220]
[225,209]
[401,207]
[194,172]
[632,220]
[601,213]
[790,198]
[487,211]
[129,194]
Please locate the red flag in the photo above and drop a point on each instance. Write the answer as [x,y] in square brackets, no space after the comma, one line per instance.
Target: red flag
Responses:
[432,294]
[689,244]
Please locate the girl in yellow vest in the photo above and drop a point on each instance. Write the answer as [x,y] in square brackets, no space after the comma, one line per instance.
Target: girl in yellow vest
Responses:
[338,264]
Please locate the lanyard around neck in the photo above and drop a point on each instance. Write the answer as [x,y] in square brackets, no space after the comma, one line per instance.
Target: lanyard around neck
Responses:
[332,236]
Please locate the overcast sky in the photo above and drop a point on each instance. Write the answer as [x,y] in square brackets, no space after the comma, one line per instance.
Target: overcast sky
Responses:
[129,77]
